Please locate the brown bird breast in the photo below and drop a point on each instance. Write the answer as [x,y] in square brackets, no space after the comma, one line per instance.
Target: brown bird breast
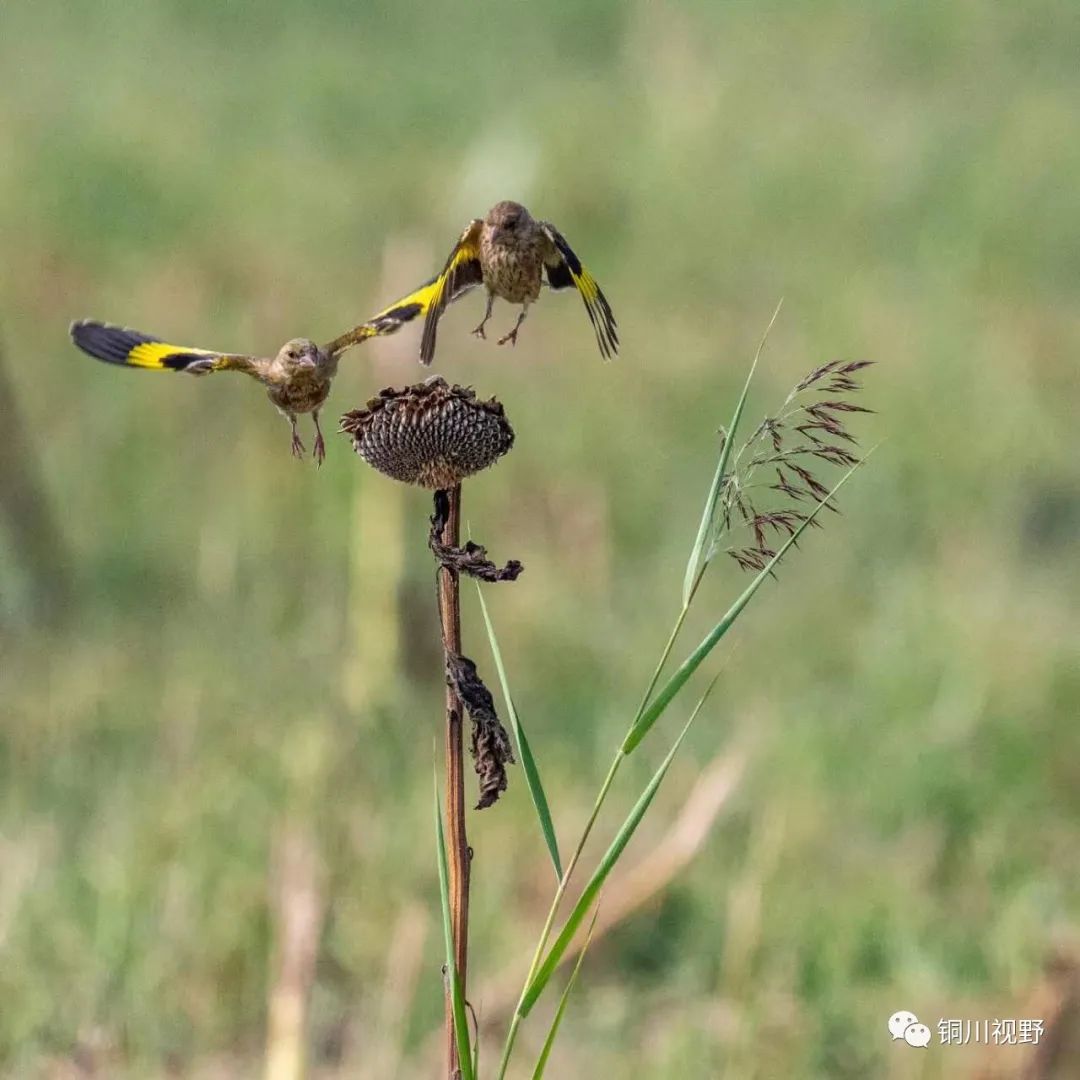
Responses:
[302,392]
[513,263]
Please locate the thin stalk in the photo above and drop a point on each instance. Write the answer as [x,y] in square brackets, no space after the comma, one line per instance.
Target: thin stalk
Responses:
[695,571]
[457,841]
[672,638]
[467,1066]
[549,923]
[644,721]
[604,868]
[698,557]
[549,1042]
[528,762]
[564,882]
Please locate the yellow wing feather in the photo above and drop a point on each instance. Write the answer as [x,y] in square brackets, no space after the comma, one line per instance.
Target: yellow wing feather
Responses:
[563,270]
[389,320]
[461,273]
[132,348]
[164,357]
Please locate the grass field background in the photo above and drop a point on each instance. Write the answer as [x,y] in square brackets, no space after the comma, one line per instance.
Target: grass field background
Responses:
[246,649]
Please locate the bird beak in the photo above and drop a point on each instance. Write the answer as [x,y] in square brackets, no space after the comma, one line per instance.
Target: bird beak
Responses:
[307,361]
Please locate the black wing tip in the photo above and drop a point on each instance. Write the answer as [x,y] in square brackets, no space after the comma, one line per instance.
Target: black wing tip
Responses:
[106,342]
[80,324]
[88,330]
[604,326]
[607,322]
[394,319]
[427,350]
[609,349]
[431,330]
[612,341]
[389,322]
[566,274]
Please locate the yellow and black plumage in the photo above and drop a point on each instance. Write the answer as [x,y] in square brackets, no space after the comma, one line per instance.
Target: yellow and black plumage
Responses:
[512,255]
[297,379]
[389,320]
[508,252]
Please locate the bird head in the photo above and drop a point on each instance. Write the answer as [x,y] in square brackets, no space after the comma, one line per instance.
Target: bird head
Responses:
[504,219]
[300,354]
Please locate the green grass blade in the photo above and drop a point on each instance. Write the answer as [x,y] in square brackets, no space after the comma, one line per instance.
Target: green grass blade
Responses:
[528,762]
[611,857]
[679,679]
[476,1045]
[457,999]
[549,1042]
[694,565]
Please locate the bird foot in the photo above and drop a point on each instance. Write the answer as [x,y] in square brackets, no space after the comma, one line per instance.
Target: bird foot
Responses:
[511,337]
[319,453]
[479,332]
[297,446]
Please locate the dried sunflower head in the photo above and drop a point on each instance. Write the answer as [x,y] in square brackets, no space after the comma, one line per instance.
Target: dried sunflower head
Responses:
[431,434]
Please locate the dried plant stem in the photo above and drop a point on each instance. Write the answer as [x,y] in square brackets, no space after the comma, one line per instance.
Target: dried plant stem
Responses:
[457,841]
[670,855]
[26,510]
[298,912]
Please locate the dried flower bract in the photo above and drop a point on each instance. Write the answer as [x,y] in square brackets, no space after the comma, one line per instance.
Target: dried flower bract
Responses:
[472,558]
[490,744]
[431,434]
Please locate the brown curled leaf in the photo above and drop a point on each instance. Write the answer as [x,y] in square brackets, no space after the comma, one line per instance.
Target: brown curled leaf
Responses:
[491,749]
[472,558]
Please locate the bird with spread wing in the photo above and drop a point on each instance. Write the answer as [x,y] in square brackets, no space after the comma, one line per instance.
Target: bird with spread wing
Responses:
[509,252]
[512,255]
[297,379]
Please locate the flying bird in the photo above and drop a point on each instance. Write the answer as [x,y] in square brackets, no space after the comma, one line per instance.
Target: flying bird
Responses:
[511,254]
[297,379]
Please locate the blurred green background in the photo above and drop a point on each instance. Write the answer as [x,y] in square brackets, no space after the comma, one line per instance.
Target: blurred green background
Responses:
[237,693]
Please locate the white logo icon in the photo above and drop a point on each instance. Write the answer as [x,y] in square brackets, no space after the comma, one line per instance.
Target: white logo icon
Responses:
[905,1025]
[917,1035]
[899,1022]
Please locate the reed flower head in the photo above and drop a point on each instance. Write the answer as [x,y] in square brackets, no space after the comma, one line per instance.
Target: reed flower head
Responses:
[774,471]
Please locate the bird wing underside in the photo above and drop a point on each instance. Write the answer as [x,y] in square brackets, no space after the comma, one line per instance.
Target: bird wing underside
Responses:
[131,348]
[461,273]
[564,270]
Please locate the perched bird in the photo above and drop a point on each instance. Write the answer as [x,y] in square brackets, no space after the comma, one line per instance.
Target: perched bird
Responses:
[297,380]
[511,254]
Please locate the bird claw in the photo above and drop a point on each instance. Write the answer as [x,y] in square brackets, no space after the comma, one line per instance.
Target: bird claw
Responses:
[511,337]
[319,453]
[297,446]
[479,332]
